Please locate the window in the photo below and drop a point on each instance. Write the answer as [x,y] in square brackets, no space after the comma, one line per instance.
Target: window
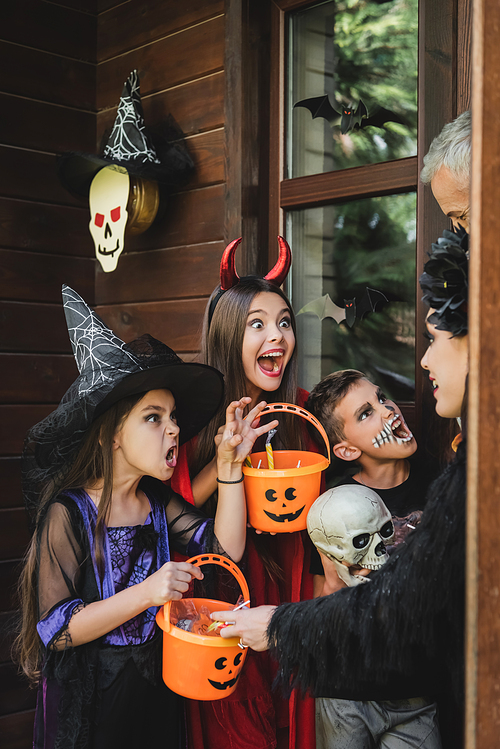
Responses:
[347,184]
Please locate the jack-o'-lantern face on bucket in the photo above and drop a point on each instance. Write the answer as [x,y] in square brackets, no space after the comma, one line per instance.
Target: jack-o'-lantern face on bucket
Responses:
[229,671]
[285,507]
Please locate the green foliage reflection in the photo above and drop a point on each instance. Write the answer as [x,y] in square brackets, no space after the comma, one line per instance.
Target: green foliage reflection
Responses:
[362,49]
[374,245]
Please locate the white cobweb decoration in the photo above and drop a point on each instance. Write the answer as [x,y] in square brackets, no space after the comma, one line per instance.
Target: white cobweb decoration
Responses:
[100,355]
[128,140]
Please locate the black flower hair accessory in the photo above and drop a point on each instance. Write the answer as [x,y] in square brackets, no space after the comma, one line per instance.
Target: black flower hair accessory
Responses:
[445,282]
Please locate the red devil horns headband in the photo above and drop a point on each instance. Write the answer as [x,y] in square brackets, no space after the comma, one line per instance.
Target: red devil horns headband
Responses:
[229,277]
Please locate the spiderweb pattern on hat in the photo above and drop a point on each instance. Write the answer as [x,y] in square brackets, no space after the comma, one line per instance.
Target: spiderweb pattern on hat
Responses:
[104,360]
[129,140]
[93,344]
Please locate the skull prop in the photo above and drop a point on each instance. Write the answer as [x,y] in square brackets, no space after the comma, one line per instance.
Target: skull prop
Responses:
[108,198]
[351,525]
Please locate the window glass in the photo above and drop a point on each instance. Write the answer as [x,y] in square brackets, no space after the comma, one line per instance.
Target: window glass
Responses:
[340,250]
[357,57]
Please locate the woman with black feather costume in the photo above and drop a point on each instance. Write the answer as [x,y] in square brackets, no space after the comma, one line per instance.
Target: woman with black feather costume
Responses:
[403,634]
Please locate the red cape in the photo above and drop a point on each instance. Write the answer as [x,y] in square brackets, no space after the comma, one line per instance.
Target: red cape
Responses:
[251,717]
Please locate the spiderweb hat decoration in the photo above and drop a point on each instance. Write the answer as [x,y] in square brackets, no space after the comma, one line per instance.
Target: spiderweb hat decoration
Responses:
[445,282]
[132,146]
[110,370]
[123,183]
[229,277]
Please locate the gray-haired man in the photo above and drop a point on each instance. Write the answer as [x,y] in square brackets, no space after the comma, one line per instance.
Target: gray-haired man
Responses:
[447,168]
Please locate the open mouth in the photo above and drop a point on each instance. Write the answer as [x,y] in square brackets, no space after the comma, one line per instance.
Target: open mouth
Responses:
[395,431]
[224,684]
[271,363]
[171,457]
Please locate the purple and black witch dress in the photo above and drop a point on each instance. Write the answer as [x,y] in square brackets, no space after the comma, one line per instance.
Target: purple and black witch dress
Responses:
[109,692]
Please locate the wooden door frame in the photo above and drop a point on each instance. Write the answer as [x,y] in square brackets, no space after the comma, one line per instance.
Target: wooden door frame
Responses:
[483,484]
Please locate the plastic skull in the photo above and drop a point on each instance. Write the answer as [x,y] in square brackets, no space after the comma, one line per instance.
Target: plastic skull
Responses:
[108,198]
[351,525]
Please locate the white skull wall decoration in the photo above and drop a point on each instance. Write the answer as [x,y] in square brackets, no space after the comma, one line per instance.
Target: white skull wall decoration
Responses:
[351,526]
[108,199]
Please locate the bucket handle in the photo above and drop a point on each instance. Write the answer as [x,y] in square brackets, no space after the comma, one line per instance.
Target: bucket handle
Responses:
[291,408]
[221,562]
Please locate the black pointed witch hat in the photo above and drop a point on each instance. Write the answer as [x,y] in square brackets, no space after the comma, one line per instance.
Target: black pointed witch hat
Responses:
[131,145]
[110,370]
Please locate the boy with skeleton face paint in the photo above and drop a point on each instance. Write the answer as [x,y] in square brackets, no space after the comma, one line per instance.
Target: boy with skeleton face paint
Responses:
[367,428]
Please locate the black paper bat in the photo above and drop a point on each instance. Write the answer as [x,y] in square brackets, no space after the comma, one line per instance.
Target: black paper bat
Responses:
[350,118]
[351,311]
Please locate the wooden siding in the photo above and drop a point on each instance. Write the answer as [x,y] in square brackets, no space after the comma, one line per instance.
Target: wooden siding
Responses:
[47,98]
[166,275]
[67,63]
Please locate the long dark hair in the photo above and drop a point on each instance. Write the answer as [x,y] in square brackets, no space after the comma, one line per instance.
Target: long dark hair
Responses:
[92,465]
[221,347]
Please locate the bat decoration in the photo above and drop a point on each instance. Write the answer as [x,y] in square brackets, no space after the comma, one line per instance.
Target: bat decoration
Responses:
[350,117]
[351,311]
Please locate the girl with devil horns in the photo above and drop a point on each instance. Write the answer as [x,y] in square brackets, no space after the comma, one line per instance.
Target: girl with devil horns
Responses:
[99,564]
[402,634]
[249,335]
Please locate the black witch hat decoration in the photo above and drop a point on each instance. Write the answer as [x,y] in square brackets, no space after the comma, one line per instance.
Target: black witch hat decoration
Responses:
[132,146]
[110,370]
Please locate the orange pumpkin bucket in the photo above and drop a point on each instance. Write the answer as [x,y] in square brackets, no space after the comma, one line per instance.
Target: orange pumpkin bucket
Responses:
[279,499]
[197,664]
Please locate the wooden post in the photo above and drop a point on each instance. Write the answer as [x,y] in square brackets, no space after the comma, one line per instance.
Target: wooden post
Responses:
[483,487]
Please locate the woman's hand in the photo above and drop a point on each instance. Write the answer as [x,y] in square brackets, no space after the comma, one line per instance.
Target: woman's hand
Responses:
[250,625]
[170,582]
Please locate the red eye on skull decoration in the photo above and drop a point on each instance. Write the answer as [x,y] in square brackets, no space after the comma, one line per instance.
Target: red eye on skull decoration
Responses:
[115,214]
[99,219]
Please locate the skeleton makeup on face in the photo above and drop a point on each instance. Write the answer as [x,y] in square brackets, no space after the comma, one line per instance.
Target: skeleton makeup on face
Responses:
[108,199]
[372,425]
[352,527]
[395,430]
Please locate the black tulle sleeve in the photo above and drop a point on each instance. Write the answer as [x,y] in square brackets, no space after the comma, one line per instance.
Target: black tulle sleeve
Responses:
[190,531]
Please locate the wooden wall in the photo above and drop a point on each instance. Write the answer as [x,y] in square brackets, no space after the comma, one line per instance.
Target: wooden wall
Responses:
[66,65]
[163,281]
[47,103]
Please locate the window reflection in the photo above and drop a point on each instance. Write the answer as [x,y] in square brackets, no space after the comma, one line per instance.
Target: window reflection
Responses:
[355,63]
[340,250]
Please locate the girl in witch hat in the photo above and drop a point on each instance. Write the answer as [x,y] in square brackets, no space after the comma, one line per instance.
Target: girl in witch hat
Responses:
[249,334]
[403,634]
[98,566]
